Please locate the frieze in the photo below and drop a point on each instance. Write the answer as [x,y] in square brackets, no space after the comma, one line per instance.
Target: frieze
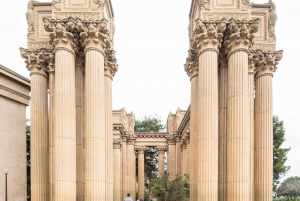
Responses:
[14,92]
[226,15]
[235,5]
[264,46]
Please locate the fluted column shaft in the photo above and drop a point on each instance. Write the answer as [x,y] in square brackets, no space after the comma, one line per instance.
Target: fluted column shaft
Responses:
[251,115]
[130,169]
[207,163]
[39,135]
[161,162]
[171,166]
[141,173]
[117,192]
[79,87]
[109,136]
[124,168]
[94,131]
[223,85]
[65,119]
[51,133]
[238,127]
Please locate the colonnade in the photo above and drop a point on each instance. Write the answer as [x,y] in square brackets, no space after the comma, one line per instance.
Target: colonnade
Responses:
[231,103]
[71,142]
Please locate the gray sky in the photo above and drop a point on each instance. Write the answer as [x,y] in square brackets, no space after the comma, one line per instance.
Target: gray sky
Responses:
[151,41]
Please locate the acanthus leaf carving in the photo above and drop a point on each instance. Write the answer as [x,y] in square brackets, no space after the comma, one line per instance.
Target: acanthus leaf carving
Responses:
[110,64]
[191,66]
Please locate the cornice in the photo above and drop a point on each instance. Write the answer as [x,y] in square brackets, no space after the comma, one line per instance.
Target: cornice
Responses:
[14,92]
[15,76]
[151,134]
[185,120]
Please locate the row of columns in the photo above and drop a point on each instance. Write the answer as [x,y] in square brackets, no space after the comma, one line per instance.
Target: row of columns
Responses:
[74,162]
[230,128]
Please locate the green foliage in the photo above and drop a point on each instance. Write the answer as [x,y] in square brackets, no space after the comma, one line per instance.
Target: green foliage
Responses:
[149,124]
[28,156]
[279,154]
[171,190]
[286,199]
[290,188]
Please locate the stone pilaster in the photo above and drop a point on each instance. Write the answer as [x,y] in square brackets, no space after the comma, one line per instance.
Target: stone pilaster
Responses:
[35,60]
[191,67]
[263,143]
[79,88]
[171,167]
[65,108]
[238,135]
[184,162]
[94,36]
[178,156]
[110,69]
[130,163]
[51,71]
[141,171]
[251,63]
[188,154]
[206,41]
[223,85]
[161,160]
[117,191]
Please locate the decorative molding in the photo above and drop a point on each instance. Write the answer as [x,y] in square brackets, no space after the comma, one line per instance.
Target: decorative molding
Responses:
[191,66]
[14,92]
[226,15]
[110,64]
[151,134]
[140,149]
[185,120]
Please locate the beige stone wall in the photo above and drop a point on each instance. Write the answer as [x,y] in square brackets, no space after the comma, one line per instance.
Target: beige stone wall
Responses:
[14,91]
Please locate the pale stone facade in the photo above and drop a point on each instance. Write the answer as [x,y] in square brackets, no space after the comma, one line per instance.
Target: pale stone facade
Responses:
[84,151]
[14,98]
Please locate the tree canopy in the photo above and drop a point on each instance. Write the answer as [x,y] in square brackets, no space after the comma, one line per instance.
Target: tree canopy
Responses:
[279,153]
[290,187]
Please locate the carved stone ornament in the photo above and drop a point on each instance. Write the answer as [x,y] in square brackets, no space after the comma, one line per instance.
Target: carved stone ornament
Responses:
[272,21]
[56,4]
[208,35]
[170,122]
[111,65]
[30,19]
[131,122]
[161,149]
[267,64]
[204,4]
[140,149]
[241,34]
[253,60]
[191,66]
[131,139]
[99,4]
[37,60]
[79,33]
[117,144]
[223,62]
[171,139]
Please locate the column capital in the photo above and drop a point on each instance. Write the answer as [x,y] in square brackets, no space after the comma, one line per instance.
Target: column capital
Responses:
[117,144]
[140,149]
[183,146]
[37,60]
[171,140]
[267,64]
[240,34]
[208,35]
[61,34]
[131,139]
[191,66]
[110,64]
[94,34]
[161,149]
[253,60]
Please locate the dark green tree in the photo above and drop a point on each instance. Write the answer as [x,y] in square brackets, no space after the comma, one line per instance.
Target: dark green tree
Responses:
[290,188]
[28,156]
[279,153]
[171,190]
[150,124]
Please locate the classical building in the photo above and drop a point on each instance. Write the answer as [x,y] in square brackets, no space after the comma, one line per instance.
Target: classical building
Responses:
[81,150]
[14,98]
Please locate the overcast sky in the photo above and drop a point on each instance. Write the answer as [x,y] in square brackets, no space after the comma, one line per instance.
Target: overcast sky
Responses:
[151,41]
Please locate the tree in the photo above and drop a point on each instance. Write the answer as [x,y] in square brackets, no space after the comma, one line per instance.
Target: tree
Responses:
[150,124]
[279,153]
[290,187]
[28,156]
[171,190]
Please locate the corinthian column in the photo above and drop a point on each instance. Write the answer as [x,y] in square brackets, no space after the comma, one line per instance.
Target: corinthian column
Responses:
[35,60]
[223,85]
[238,135]
[141,171]
[191,67]
[161,160]
[95,116]
[130,163]
[65,109]
[111,68]
[117,192]
[263,180]
[79,74]
[206,42]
